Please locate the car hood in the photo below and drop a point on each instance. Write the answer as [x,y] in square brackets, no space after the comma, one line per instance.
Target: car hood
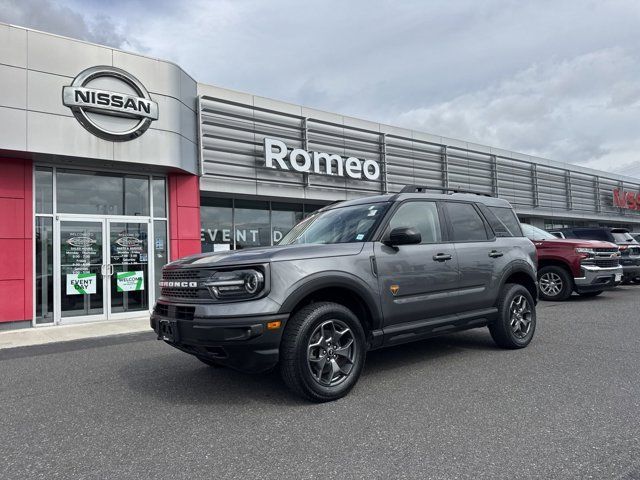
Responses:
[574,243]
[267,254]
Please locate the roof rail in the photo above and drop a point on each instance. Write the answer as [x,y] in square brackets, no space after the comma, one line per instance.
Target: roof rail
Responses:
[424,188]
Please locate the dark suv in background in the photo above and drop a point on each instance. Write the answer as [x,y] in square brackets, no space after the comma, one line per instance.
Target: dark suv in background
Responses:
[354,276]
[629,247]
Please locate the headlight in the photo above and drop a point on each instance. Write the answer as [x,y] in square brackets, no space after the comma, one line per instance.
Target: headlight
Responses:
[586,251]
[245,283]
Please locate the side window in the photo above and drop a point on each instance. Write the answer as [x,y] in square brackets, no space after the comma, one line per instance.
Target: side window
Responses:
[423,216]
[503,221]
[466,223]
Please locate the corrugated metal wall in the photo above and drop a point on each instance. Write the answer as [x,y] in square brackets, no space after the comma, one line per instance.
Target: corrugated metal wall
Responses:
[231,154]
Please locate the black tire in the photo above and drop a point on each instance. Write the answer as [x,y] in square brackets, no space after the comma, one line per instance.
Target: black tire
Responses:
[636,280]
[590,294]
[563,281]
[208,361]
[501,330]
[295,366]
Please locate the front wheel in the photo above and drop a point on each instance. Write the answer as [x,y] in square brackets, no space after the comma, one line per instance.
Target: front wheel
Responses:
[554,283]
[322,351]
[516,321]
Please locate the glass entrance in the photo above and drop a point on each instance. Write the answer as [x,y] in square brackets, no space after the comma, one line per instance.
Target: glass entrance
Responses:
[104,268]
[129,267]
[82,269]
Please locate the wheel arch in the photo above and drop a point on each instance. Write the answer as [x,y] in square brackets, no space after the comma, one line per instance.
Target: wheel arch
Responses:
[522,275]
[338,287]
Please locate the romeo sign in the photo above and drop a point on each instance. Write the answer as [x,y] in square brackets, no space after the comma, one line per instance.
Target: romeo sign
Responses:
[628,200]
[110,103]
[277,155]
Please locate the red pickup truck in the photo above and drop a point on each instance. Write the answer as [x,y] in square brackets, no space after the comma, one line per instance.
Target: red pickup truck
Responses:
[587,267]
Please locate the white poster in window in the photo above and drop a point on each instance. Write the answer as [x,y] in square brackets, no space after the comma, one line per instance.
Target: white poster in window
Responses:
[81,283]
[130,281]
[221,247]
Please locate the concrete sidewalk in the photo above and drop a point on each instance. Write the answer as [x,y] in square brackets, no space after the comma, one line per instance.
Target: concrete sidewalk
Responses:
[64,333]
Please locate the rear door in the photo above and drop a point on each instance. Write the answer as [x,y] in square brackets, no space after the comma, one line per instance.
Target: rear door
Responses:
[415,280]
[480,256]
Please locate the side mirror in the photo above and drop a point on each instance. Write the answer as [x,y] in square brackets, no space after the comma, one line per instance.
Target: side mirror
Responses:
[403,236]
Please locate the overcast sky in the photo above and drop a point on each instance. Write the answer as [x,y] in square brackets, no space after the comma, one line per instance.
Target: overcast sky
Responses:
[558,79]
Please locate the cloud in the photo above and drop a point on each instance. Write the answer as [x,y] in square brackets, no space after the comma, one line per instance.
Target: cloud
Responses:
[63,20]
[557,78]
[582,110]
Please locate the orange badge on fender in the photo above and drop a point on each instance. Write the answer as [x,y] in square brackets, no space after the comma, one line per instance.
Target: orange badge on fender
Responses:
[394,289]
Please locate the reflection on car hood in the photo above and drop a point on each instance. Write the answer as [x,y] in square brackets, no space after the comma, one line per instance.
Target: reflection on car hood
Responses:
[573,242]
[268,254]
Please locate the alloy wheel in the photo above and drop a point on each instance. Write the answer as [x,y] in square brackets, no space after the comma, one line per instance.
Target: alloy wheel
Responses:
[551,284]
[331,353]
[520,312]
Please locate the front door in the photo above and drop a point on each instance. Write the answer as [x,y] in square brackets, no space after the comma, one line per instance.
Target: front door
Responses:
[416,280]
[128,262]
[82,272]
[103,268]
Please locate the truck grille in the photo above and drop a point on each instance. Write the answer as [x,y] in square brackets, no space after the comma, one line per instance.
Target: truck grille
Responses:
[606,262]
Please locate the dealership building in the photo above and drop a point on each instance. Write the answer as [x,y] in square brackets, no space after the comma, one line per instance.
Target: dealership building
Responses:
[113,164]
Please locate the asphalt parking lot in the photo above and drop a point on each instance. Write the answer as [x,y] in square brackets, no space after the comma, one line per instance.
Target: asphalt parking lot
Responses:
[453,407]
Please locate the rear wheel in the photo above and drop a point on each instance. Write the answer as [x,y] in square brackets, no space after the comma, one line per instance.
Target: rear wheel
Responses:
[516,321]
[322,352]
[554,283]
[590,294]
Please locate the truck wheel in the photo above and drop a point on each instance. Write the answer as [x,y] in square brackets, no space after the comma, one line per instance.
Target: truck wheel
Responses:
[516,321]
[554,283]
[322,351]
[590,294]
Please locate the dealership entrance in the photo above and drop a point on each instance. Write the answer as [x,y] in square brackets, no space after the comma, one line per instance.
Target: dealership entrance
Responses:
[100,244]
[103,268]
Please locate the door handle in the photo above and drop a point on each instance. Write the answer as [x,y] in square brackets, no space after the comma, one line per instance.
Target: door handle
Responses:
[442,257]
[495,254]
[110,269]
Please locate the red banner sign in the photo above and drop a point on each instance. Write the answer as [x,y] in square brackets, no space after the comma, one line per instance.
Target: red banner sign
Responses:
[628,200]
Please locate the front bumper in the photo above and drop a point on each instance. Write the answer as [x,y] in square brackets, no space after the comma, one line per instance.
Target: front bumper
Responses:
[631,266]
[598,278]
[244,343]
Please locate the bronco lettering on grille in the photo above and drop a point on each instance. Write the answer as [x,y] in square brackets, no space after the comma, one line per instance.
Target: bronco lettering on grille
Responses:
[178,284]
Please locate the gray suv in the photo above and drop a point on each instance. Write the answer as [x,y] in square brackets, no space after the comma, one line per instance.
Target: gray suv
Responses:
[353,277]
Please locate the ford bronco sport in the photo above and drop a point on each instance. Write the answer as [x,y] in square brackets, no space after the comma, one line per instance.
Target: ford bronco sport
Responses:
[355,276]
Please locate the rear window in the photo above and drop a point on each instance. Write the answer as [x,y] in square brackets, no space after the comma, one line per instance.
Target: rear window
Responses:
[466,223]
[503,221]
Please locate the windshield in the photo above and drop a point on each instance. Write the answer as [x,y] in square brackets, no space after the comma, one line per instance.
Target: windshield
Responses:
[623,237]
[535,233]
[338,225]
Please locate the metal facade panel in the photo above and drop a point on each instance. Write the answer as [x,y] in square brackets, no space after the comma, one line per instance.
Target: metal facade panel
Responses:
[232,148]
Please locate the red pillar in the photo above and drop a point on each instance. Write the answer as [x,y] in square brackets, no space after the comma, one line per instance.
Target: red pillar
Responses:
[16,240]
[184,215]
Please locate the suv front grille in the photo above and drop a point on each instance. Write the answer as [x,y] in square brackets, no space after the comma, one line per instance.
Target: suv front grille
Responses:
[188,294]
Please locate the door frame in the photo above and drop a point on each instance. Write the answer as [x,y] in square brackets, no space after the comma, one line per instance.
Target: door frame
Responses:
[105,222]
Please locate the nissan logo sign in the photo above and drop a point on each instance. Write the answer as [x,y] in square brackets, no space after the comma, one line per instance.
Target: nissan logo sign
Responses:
[110,103]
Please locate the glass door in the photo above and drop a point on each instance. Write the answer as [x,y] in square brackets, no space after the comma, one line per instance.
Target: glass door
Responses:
[80,279]
[128,264]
